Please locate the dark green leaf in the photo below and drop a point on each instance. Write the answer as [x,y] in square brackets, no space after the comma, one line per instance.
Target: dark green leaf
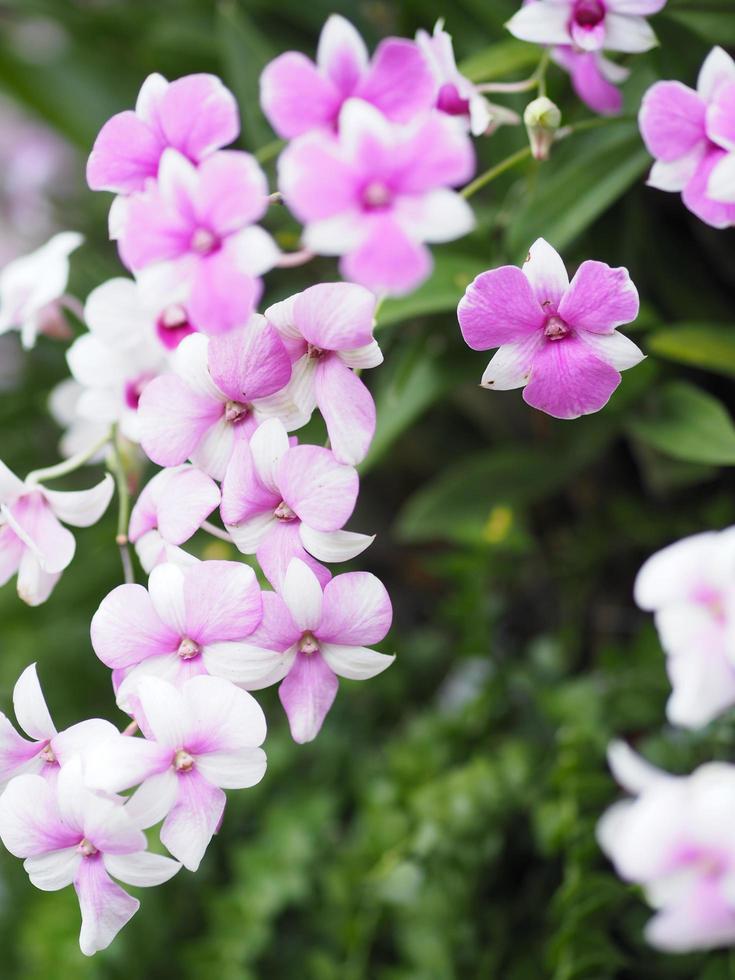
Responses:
[705,345]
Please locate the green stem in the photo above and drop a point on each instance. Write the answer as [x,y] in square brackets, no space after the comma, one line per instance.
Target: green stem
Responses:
[593,123]
[540,72]
[123,508]
[269,151]
[216,532]
[479,182]
[69,465]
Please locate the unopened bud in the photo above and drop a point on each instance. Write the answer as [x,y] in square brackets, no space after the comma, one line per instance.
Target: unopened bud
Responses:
[542,118]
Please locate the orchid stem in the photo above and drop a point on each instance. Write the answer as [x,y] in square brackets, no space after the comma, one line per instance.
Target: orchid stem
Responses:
[537,80]
[290,260]
[216,532]
[70,464]
[496,171]
[131,729]
[123,509]
[269,151]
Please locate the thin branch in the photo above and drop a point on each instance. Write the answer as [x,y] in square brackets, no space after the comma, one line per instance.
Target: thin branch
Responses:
[71,464]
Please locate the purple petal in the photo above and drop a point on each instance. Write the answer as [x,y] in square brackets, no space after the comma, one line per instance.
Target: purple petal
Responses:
[222,717]
[125,154]
[282,544]
[569,380]
[250,361]
[189,498]
[30,822]
[105,907]
[174,419]
[399,80]
[296,97]
[335,316]
[244,495]
[696,197]
[357,610]
[321,491]
[547,274]
[277,630]
[126,628]
[222,601]
[438,153]
[154,230]
[671,120]
[499,307]
[222,297]
[307,693]
[388,260]
[347,408]
[231,192]
[599,298]
[194,819]
[198,115]
[315,179]
[341,54]
[589,82]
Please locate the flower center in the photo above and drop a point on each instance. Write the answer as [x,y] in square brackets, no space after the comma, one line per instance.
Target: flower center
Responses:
[555,328]
[134,389]
[173,325]
[183,762]
[47,754]
[450,101]
[376,196]
[236,411]
[86,848]
[314,352]
[188,649]
[283,512]
[589,13]
[308,643]
[204,241]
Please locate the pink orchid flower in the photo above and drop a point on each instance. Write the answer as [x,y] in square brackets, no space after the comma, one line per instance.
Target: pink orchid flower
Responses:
[298,95]
[195,115]
[594,78]
[328,330]
[556,340]
[170,509]
[588,25]
[197,222]
[675,839]
[33,543]
[281,502]
[48,749]
[69,835]
[32,289]
[200,740]
[310,634]
[692,137]
[219,389]
[191,620]
[690,588]
[377,191]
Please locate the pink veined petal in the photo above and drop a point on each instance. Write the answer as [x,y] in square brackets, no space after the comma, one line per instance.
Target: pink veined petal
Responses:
[280,545]
[198,115]
[194,819]
[214,452]
[599,298]
[165,712]
[105,907]
[142,870]
[335,315]
[222,717]
[250,361]
[124,761]
[545,270]
[296,97]
[355,663]
[244,496]
[696,197]
[190,498]
[307,693]
[152,230]
[499,307]
[341,54]
[542,23]
[315,179]
[233,770]
[250,667]
[174,419]
[30,822]
[54,870]
[369,356]
[347,408]
[399,80]
[319,490]
[302,593]
[126,628]
[633,35]
[357,610]
[125,153]
[144,516]
[11,552]
[33,520]
[334,545]
[222,600]
[510,365]
[387,260]
[569,380]
[672,120]
[591,85]
[30,706]
[222,297]
[277,630]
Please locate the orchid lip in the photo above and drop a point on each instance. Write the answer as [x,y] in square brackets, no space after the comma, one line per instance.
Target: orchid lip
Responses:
[555,328]
[236,411]
[188,649]
[308,643]
[283,512]
[589,13]
[174,316]
[47,754]
[87,848]
[204,241]
[183,762]
[376,195]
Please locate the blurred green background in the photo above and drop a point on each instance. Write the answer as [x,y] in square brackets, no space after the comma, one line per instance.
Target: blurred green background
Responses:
[442,825]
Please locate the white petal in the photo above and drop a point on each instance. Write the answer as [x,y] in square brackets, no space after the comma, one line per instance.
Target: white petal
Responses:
[214,451]
[268,445]
[676,175]
[337,37]
[165,711]
[94,363]
[542,23]
[510,365]
[254,250]
[355,663]
[233,770]
[249,535]
[166,588]
[718,67]
[190,363]
[251,667]
[142,869]
[117,216]
[334,545]
[81,508]
[115,314]
[10,486]
[630,770]
[53,870]
[369,356]
[152,550]
[721,184]
[630,34]
[545,270]
[34,584]
[302,593]
[336,235]
[615,348]
[31,282]
[281,316]
[149,97]
[151,802]
[120,763]
[437,216]
[30,706]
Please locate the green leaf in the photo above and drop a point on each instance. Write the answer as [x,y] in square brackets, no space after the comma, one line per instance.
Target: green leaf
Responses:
[705,345]
[585,175]
[245,53]
[688,423]
[439,294]
[715,26]
[501,60]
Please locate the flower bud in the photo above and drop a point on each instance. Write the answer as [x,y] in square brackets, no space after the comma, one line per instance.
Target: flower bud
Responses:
[542,118]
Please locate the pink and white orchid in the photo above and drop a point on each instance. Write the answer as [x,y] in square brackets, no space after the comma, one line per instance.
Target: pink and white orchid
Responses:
[588,25]
[377,191]
[692,137]
[328,330]
[281,502]
[195,115]
[197,223]
[675,838]
[594,78]
[69,835]
[201,739]
[190,620]
[32,289]
[557,340]
[169,510]
[33,542]
[690,588]
[219,389]
[298,96]
[310,634]
[48,749]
